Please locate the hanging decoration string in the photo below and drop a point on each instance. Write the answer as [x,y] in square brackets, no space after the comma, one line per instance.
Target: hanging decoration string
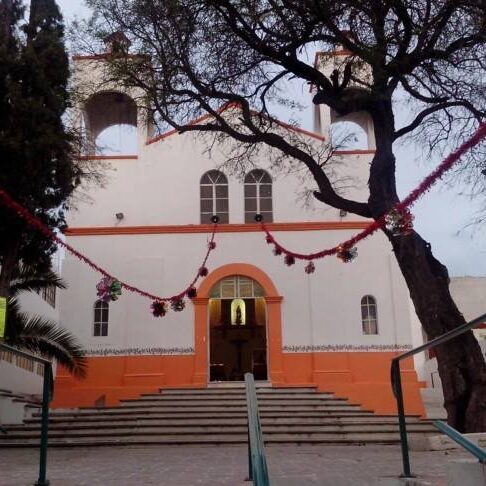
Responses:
[398,220]
[109,280]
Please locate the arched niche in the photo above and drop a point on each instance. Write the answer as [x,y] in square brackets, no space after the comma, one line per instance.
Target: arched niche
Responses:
[352,132]
[111,123]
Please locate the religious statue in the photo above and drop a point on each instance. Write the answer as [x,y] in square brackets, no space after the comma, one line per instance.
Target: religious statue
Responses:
[238,320]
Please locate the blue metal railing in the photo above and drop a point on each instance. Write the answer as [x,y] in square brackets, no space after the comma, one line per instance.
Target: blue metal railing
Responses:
[463,441]
[397,382]
[257,463]
[47,393]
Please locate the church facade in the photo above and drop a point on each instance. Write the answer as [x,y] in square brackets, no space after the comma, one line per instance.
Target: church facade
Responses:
[336,329]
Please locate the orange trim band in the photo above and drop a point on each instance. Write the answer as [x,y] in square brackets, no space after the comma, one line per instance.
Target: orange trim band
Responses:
[108,157]
[207,228]
[104,55]
[355,152]
[341,52]
[225,107]
[192,122]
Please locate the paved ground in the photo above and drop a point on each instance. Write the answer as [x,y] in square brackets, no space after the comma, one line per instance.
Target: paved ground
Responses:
[215,466]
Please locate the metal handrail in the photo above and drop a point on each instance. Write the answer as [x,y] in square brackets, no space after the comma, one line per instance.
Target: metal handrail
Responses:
[396,382]
[257,463]
[47,394]
[463,441]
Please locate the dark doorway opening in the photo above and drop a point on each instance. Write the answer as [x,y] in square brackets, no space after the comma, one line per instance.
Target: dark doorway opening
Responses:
[238,340]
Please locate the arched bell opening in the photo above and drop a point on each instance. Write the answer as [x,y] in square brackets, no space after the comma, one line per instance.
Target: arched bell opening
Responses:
[111,124]
[352,132]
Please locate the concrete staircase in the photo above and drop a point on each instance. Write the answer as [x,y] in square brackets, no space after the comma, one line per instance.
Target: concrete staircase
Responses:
[216,416]
[17,407]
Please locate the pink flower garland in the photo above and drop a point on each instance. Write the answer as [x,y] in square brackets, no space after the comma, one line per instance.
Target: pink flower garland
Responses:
[37,224]
[176,301]
[401,207]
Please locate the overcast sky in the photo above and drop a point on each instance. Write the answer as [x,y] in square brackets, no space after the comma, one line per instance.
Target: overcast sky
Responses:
[441,216]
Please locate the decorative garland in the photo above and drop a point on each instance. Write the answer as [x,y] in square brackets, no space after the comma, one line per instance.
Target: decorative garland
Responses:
[109,287]
[398,220]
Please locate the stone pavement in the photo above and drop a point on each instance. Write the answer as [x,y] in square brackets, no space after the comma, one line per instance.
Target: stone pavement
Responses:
[371,465]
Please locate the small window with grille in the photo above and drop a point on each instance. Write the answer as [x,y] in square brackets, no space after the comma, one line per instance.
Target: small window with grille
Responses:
[369,315]
[101,314]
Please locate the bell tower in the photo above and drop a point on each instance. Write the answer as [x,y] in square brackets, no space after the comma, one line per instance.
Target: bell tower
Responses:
[102,103]
[354,127]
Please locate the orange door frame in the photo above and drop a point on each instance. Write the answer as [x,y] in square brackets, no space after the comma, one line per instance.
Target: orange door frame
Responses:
[274,320]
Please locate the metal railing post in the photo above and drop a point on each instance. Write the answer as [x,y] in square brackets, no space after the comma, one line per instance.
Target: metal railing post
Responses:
[256,448]
[398,392]
[46,395]
[250,465]
[396,381]
[462,440]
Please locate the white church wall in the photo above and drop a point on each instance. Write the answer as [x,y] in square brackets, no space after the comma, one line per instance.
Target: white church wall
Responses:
[162,187]
[322,309]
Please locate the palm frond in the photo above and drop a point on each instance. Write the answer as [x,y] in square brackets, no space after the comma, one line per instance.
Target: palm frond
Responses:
[30,281]
[42,336]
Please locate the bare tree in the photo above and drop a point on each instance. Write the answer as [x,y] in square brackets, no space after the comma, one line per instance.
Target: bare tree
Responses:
[193,56]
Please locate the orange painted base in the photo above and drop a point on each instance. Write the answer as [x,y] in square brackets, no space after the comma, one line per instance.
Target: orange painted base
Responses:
[111,378]
[363,378]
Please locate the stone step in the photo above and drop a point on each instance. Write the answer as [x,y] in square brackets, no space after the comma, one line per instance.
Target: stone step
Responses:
[110,431]
[235,396]
[189,410]
[203,402]
[297,404]
[211,420]
[121,414]
[235,391]
[220,439]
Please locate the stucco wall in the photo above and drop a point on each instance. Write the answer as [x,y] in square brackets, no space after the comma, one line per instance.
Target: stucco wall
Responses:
[318,309]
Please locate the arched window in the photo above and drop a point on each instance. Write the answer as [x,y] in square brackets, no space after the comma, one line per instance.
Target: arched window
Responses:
[258,196]
[100,321]
[214,197]
[369,315]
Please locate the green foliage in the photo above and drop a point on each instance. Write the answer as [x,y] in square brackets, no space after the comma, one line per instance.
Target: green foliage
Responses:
[39,334]
[36,150]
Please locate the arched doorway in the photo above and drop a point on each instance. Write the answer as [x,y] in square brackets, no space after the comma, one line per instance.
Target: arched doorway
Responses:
[237,330]
[273,304]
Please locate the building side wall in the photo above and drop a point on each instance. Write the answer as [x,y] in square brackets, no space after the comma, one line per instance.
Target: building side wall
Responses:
[19,375]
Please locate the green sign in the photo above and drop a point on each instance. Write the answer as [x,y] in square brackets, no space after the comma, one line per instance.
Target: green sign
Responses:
[3,315]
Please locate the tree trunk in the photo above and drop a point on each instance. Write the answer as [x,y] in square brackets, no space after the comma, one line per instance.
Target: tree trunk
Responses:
[460,361]
[9,261]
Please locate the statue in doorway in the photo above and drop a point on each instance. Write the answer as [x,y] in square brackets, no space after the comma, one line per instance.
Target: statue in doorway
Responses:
[238,320]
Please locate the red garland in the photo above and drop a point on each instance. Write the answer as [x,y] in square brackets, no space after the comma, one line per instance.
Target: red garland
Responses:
[424,186]
[36,223]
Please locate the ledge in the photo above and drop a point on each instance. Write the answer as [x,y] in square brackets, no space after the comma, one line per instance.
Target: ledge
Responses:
[208,228]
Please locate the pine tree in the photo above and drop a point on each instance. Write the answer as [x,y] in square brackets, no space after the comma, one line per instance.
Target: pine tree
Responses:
[38,167]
